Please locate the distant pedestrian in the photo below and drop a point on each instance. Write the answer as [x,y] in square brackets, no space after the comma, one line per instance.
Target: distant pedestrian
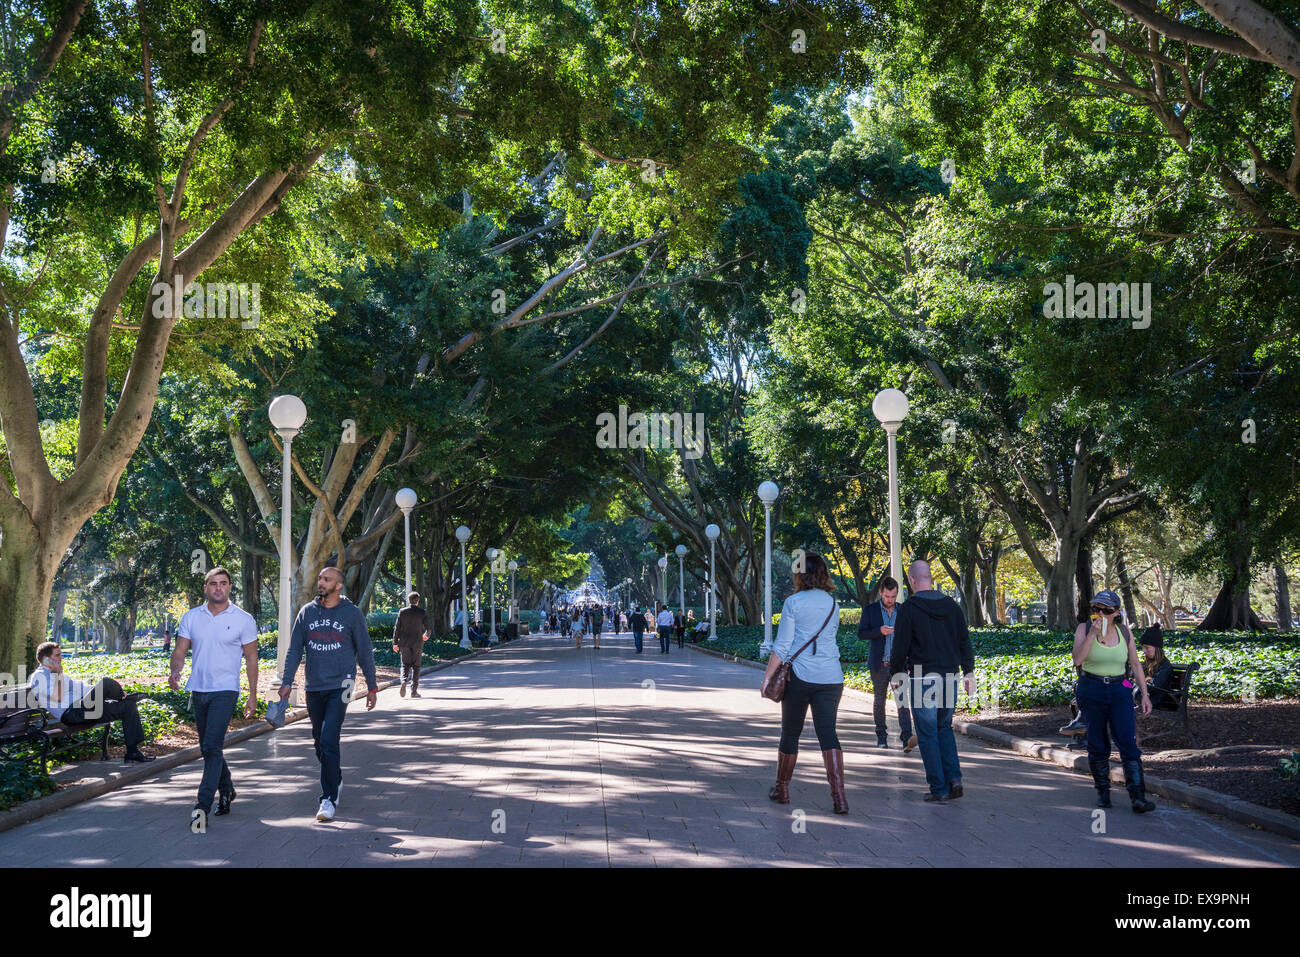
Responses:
[877,629]
[579,626]
[331,633]
[664,621]
[679,626]
[932,650]
[806,637]
[220,634]
[410,632]
[597,621]
[1108,666]
[636,621]
[167,640]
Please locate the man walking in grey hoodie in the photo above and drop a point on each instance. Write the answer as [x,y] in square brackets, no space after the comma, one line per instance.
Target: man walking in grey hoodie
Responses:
[932,649]
[332,632]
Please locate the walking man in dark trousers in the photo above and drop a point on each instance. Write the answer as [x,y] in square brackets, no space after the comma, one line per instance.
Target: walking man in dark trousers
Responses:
[331,632]
[636,621]
[664,622]
[410,632]
[877,628]
[220,634]
[932,651]
[597,620]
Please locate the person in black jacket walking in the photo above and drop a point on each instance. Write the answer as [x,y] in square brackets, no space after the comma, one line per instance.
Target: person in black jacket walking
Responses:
[932,649]
[877,627]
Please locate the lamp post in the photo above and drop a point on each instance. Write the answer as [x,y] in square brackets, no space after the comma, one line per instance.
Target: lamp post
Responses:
[663,578]
[492,554]
[513,566]
[406,501]
[767,492]
[287,414]
[711,532]
[681,579]
[462,536]
[890,407]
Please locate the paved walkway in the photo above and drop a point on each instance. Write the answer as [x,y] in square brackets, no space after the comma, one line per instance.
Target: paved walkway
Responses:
[586,758]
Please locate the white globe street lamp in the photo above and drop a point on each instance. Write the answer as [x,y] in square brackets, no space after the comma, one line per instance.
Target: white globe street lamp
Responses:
[711,532]
[663,578]
[462,536]
[767,493]
[890,407]
[405,499]
[287,414]
[492,554]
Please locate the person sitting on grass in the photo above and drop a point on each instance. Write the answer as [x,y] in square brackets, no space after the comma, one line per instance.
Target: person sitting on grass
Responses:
[74,703]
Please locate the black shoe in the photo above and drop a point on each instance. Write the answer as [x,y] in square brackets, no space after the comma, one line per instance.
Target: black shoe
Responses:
[882,742]
[223,802]
[416,694]
[138,757]
[936,798]
[955,791]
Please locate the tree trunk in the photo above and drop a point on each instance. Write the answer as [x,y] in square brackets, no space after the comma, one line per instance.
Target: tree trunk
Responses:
[1125,586]
[987,566]
[29,561]
[1231,609]
[1283,594]
[126,630]
[1083,581]
[1060,585]
[59,604]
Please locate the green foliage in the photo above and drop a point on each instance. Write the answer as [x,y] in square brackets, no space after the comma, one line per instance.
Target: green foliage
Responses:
[1031,667]
[20,781]
[1289,767]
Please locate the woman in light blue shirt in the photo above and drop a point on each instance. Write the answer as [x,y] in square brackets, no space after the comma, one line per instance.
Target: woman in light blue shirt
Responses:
[809,621]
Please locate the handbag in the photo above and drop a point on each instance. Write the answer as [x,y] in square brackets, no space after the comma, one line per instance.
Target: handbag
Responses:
[781,677]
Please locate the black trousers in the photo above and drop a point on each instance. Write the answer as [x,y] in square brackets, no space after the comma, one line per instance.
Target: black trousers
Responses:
[105,701]
[825,703]
[411,651]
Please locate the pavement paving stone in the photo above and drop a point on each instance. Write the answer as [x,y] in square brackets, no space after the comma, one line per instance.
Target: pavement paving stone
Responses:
[594,768]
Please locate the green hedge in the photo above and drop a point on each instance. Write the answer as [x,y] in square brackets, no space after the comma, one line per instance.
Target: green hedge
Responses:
[1031,667]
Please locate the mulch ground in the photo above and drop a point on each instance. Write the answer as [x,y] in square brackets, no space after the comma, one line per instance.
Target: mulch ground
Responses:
[1250,775]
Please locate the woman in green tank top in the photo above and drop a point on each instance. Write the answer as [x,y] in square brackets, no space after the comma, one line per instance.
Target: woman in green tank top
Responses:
[1106,657]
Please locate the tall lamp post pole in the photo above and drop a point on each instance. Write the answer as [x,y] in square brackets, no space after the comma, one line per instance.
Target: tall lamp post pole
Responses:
[890,407]
[663,579]
[711,532]
[767,492]
[514,612]
[681,579]
[492,554]
[405,499]
[287,414]
[462,536]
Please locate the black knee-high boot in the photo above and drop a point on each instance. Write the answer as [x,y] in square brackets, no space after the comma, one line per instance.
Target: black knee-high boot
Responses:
[1101,780]
[1137,791]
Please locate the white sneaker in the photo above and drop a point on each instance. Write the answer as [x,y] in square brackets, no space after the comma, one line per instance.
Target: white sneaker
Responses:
[326,812]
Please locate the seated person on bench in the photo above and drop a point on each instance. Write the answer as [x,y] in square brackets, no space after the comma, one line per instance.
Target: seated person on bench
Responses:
[73,703]
[1160,678]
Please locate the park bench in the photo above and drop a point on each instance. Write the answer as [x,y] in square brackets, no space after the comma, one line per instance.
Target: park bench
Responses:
[1171,712]
[33,735]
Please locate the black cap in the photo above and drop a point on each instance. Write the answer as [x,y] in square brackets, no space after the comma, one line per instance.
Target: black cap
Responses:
[1153,636]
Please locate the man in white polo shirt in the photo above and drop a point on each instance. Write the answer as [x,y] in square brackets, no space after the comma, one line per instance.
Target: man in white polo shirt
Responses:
[220,633]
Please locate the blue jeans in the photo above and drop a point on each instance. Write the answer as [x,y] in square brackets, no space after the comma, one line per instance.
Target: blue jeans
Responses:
[934,698]
[1108,704]
[212,712]
[326,710]
[665,636]
[636,636]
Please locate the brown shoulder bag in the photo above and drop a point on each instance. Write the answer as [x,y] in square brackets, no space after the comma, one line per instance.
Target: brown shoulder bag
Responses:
[781,678]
